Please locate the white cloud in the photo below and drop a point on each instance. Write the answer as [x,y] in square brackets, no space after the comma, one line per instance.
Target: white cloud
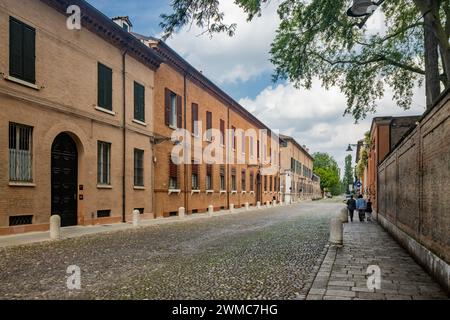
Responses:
[315,117]
[227,59]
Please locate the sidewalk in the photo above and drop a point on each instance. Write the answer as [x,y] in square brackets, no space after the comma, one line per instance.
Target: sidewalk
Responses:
[342,275]
[80,231]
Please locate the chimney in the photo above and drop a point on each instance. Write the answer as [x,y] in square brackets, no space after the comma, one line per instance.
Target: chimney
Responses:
[123,22]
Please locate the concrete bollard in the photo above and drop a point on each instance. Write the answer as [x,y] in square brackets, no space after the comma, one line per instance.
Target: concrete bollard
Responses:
[268,204]
[181,212]
[344,215]
[136,218]
[247,206]
[258,204]
[231,208]
[211,210]
[55,227]
[336,231]
[274,203]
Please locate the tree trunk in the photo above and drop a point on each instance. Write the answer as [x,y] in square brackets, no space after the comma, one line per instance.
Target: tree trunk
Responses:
[432,76]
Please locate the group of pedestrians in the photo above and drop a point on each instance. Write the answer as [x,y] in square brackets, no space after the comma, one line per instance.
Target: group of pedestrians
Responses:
[363,207]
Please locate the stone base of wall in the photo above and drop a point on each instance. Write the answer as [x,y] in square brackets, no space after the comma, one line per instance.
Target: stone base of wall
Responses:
[437,267]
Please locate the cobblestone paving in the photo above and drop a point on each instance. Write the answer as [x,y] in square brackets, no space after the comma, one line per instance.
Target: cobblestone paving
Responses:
[342,275]
[267,254]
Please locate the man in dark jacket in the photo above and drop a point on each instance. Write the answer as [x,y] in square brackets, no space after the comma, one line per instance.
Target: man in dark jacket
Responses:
[351,206]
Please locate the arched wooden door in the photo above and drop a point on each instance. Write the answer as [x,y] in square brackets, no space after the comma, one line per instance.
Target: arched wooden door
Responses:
[64,171]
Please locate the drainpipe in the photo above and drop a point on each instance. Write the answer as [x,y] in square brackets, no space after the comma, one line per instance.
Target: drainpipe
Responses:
[227,149]
[185,139]
[124,166]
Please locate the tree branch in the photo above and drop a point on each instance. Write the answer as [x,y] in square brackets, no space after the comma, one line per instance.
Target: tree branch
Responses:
[414,25]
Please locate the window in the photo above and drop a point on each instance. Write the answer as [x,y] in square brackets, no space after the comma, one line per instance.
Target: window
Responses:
[222,132]
[126,27]
[22,51]
[208,125]
[139,102]
[20,153]
[173,113]
[222,178]
[138,168]
[173,174]
[243,141]
[209,177]
[243,181]
[251,147]
[233,180]
[104,163]
[104,87]
[195,175]
[103,213]
[233,136]
[252,182]
[265,183]
[271,184]
[194,116]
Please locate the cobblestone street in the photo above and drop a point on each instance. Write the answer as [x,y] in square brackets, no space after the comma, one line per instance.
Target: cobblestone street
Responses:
[267,254]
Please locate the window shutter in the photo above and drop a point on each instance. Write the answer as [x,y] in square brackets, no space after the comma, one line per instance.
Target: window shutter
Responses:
[101,87]
[173,170]
[209,169]
[108,90]
[194,116]
[29,54]
[104,87]
[208,120]
[222,170]
[139,102]
[179,113]
[233,129]
[167,106]
[15,48]
[222,131]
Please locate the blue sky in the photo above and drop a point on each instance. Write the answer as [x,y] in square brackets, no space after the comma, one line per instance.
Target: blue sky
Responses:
[240,66]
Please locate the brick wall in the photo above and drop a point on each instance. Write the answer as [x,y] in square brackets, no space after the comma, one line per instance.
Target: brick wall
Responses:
[414,182]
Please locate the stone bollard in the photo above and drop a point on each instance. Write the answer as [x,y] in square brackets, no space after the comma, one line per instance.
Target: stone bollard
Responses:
[231,208]
[211,210]
[247,206]
[344,215]
[336,231]
[268,204]
[55,227]
[136,218]
[182,213]
[258,204]
[274,203]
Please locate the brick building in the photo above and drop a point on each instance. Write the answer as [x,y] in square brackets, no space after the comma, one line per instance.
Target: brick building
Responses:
[296,169]
[385,133]
[185,98]
[76,118]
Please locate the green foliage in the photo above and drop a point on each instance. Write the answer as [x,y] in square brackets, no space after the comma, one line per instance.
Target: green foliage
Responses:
[315,38]
[328,170]
[348,174]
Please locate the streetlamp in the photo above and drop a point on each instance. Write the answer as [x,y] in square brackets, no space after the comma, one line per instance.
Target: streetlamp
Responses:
[363,8]
[349,149]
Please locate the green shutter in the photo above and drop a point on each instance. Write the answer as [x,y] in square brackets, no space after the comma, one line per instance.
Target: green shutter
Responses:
[139,102]
[104,87]
[15,48]
[29,54]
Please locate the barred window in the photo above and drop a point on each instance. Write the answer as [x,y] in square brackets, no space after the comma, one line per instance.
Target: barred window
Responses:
[104,163]
[173,174]
[20,153]
[222,178]
[209,177]
[195,175]
[233,180]
[252,182]
[243,181]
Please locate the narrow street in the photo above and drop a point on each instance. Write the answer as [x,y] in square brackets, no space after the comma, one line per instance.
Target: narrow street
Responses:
[267,254]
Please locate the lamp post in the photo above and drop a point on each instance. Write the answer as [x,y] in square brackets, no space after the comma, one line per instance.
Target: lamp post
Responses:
[363,8]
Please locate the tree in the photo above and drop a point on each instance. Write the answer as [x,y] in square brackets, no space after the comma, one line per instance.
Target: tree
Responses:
[328,170]
[348,175]
[315,38]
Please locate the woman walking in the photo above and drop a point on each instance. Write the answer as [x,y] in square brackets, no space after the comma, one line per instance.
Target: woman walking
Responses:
[369,210]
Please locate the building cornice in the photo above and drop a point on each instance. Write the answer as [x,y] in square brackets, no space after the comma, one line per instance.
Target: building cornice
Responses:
[96,22]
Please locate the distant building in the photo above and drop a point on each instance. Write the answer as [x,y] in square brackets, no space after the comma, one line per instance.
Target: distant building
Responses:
[296,172]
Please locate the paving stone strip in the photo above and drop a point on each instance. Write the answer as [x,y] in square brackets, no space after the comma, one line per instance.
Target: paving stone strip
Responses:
[343,274]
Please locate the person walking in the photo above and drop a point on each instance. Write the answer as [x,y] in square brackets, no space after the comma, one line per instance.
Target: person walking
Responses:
[361,207]
[369,210]
[351,206]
